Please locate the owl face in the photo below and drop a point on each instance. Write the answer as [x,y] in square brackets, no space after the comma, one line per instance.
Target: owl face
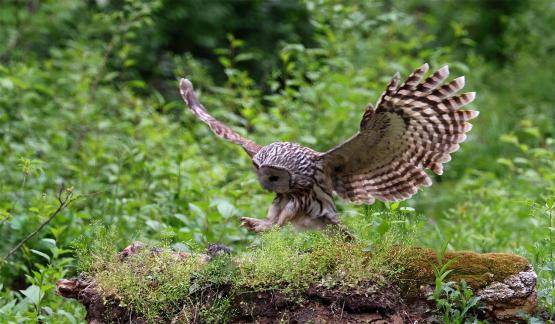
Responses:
[284,167]
[274,179]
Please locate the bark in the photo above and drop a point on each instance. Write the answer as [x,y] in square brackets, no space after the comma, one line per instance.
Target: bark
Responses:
[505,283]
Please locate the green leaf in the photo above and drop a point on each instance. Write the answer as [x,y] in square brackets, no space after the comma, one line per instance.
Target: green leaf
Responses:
[67,315]
[49,241]
[197,212]
[383,227]
[244,57]
[42,254]
[34,294]
[225,208]
[182,218]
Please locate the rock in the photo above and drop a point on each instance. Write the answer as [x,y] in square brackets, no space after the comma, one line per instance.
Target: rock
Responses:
[516,293]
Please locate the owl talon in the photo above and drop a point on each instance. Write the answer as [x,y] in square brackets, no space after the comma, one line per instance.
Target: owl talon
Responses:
[255,225]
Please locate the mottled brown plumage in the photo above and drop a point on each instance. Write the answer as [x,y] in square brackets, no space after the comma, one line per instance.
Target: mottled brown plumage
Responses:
[414,126]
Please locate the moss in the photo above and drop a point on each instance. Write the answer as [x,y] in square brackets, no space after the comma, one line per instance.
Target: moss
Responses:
[288,260]
[151,284]
[160,285]
[478,270]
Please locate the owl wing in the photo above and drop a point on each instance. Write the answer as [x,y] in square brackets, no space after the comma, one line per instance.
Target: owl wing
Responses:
[219,128]
[414,126]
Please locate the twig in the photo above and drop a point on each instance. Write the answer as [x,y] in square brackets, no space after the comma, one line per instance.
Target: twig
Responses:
[105,58]
[64,202]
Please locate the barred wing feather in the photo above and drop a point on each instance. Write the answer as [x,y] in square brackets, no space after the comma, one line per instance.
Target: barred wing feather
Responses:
[414,126]
[219,128]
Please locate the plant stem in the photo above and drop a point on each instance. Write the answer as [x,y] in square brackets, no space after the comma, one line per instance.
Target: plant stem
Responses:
[551,248]
[63,203]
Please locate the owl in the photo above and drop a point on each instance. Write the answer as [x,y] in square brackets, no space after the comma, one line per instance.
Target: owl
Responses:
[414,126]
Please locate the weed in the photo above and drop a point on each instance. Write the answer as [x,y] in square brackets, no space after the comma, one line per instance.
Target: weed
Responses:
[454,301]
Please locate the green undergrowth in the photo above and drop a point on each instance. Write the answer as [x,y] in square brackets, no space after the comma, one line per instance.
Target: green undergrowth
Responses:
[161,284]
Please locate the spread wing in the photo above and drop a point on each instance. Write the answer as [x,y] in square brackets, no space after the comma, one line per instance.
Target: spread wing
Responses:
[413,127]
[219,128]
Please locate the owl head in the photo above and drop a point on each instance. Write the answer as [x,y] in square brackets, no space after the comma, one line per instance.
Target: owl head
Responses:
[285,167]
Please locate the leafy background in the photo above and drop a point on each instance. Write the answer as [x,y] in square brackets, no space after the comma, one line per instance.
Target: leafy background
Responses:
[88,99]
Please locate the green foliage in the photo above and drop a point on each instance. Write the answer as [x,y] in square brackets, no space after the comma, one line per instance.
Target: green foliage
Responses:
[507,213]
[88,99]
[38,301]
[454,301]
[94,251]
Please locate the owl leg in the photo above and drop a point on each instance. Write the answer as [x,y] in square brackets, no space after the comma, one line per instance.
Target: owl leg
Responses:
[260,225]
[330,218]
[279,214]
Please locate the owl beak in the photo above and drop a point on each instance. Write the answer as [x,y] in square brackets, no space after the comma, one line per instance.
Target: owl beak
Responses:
[266,186]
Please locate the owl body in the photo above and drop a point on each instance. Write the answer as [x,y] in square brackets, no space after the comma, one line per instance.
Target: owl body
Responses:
[414,126]
[304,191]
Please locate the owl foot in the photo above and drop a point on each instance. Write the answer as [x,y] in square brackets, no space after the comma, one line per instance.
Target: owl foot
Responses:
[338,228]
[255,225]
[344,231]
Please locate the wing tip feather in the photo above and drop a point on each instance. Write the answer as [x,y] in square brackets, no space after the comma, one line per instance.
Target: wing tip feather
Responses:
[473,114]
[437,168]
[471,96]
[454,148]
[460,82]
[467,127]
[185,84]
[444,70]
[185,87]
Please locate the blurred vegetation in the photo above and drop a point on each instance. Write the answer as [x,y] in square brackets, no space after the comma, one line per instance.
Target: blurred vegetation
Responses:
[88,99]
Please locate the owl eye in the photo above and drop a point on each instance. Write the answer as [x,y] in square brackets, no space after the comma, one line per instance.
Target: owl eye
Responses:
[273,178]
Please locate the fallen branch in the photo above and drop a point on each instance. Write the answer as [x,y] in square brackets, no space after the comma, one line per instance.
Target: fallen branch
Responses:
[504,284]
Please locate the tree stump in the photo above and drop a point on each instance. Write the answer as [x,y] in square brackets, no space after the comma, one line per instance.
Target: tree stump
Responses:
[504,283]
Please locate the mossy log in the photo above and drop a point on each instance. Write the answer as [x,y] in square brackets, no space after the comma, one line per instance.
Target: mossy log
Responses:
[505,284]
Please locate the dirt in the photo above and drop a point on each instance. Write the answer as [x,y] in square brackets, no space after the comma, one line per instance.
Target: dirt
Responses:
[371,303]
